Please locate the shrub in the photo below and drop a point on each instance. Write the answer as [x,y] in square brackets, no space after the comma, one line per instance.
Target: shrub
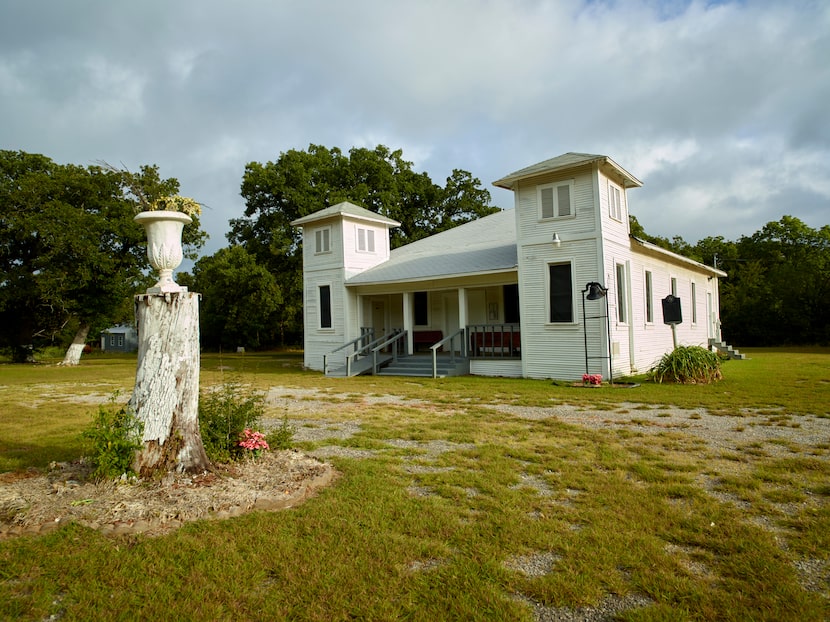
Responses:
[224,414]
[115,434]
[281,437]
[688,365]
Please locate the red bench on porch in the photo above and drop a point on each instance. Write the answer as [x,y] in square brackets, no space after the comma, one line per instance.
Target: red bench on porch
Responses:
[495,343]
[425,338]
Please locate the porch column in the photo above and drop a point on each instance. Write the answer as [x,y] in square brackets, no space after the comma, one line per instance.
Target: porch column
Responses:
[408,320]
[462,307]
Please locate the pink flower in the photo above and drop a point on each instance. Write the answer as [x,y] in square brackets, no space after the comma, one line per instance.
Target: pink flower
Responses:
[253,441]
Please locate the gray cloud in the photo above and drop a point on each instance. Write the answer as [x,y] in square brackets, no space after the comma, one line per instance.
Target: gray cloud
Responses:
[719,107]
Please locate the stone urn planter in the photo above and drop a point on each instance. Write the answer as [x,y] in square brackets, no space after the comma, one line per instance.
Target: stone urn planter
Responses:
[164,246]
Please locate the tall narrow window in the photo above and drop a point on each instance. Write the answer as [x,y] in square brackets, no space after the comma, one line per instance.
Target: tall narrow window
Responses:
[649,297]
[322,240]
[694,303]
[325,306]
[614,202]
[421,302]
[511,303]
[555,201]
[622,314]
[560,286]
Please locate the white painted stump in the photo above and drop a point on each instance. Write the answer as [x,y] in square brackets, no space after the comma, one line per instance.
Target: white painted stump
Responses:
[166,395]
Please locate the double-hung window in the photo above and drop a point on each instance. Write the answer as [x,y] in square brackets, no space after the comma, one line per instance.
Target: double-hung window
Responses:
[325,306]
[615,209]
[622,295]
[694,303]
[322,240]
[649,297]
[560,294]
[365,240]
[556,200]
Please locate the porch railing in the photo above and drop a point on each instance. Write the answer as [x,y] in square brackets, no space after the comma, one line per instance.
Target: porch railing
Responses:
[397,342]
[458,337]
[360,344]
[495,340]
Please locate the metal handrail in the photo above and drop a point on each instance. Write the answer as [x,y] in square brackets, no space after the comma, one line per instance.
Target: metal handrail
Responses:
[398,335]
[367,332]
[460,333]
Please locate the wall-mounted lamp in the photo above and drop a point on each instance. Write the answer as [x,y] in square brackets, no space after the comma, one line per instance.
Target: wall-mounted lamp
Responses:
[557,241]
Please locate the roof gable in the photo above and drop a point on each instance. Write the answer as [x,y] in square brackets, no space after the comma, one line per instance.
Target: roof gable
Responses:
[345,208]
[564,162]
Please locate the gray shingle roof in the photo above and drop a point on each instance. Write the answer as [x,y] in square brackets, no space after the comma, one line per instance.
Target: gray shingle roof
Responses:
[484,245]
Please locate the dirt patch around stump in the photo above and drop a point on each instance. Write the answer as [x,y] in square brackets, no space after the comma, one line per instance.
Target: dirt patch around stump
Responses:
[33,502]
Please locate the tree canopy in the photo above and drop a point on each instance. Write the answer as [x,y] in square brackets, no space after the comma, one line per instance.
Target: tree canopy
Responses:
[70,253]
[299,183]
[778,287]
[240,300]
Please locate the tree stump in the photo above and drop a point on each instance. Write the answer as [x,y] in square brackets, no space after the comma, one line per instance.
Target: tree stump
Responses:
[166,395]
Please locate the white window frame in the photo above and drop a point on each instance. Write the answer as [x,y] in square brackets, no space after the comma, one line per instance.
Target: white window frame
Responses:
[365,240]
[320,326]
[694,302]
[322,240]
[615,202]
[622,293]
[648,287]
[556,208]
[548,309]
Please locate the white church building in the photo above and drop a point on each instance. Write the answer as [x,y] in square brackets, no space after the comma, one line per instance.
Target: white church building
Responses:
[555,287]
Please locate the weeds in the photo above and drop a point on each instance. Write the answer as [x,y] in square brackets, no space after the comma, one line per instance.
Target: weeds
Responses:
[115,434]
[688,365]
[224,415]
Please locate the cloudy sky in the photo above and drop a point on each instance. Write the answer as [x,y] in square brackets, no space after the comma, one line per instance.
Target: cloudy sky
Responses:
[720,108]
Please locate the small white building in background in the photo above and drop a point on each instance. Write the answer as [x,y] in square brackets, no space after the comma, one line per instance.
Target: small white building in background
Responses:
[121,338]
[511,287]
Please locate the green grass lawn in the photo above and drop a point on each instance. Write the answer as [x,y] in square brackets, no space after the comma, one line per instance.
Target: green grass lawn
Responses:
[453,500]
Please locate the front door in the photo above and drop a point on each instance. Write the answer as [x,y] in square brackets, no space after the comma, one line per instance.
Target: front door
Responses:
[379,318]
[712,330]
[451,316]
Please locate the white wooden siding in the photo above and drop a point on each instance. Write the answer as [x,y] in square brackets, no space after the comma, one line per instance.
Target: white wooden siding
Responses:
[356,261]
[507,368]
[653,340]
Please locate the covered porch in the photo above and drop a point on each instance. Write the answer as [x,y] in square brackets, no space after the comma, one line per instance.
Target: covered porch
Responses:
[422,327]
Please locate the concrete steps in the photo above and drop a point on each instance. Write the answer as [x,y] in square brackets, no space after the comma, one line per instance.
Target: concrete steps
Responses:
[725,348]
[420,366]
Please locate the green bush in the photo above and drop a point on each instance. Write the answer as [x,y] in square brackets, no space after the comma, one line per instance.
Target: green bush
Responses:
[115,434]
[688,365]
[223,415]
[281,437]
